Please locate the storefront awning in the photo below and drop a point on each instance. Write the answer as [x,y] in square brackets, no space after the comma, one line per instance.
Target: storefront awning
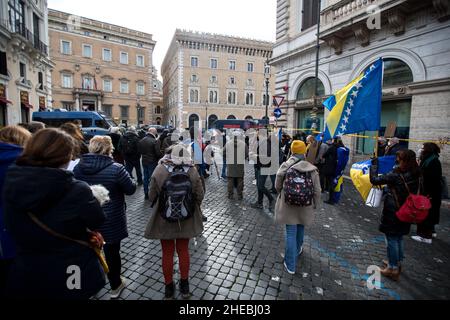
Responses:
[4,100]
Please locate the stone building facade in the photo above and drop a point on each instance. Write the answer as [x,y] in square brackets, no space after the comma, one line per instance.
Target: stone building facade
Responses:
[413,38]
[102,67]
[24,60]
[209,77]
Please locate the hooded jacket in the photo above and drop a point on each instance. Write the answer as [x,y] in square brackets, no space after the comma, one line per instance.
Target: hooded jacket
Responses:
[8,155]
[43,262]
[102,170]
[286,214]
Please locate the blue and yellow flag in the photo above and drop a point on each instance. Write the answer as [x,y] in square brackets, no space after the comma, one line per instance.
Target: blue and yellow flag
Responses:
[360,173]
[357,107]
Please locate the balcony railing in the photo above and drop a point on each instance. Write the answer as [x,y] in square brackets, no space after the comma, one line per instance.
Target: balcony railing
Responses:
[24,32]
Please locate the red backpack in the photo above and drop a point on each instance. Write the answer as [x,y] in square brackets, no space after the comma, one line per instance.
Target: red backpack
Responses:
[416,207]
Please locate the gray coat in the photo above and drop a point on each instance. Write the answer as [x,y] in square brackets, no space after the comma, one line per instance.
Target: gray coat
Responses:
[160,229]
[292,215]
[236,153]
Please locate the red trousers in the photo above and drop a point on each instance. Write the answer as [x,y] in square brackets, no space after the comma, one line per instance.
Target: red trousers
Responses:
[168,251]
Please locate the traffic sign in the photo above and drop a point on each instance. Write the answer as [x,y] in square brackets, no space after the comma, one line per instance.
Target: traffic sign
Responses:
[278,113]
[278,101]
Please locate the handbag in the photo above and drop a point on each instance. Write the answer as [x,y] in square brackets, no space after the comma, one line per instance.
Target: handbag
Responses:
[416,207]
[96,241]
[374,198]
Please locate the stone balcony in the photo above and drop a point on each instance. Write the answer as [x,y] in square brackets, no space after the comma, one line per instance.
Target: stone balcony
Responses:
[344,18]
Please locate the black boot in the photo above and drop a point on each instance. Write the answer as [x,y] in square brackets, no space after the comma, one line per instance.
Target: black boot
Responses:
[170,291]
[184,289]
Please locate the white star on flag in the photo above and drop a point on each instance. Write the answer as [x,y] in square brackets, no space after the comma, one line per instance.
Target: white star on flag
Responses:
[348,111]
[345,119]
[355,94]
[343,127]
[351,103]
[358,85]
[372,67]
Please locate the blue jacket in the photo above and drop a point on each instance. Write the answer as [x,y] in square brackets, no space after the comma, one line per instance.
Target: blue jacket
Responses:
[102,170]
[8,155]
[67,206]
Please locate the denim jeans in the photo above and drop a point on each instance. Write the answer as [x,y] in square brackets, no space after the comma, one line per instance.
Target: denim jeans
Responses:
[295,235]
[394,250]
[224,169]
[262,190]
[148,172]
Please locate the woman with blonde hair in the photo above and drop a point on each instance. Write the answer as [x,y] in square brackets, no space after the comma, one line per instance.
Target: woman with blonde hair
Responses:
[43,206]
[12,141]
[98,168]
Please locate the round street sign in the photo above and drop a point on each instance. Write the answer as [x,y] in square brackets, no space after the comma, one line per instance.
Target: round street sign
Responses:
[277,113]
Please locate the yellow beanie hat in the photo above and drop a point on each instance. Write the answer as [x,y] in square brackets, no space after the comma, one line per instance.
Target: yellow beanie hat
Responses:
[298,147]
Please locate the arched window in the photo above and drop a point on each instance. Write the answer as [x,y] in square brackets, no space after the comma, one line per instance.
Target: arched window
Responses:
[306,90]
[211,120]
[248,118]
[396,73]
[158,121]
[193,118]
[231,117]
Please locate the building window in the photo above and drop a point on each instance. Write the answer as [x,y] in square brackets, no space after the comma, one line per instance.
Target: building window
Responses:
[306,90]
[140,88]
[41,81]
[310,14]
[107,85]
[194,96]
[87,33]
[124,57]
[194,62]
[88,83]
[265,100]
[107,55]
[250,67]
[396,73]
[194,78]
[124,41]
[107,110]
[16,11]
[231,117]
[124,111]
[213,79]
[87,51]
[124,87]
[67,81]
[249,99]
[3,66]
[66,47]
[213,96]
[231,97]
[232,65]
[23,72]
[213,64]
[67,106]
[158,109]
[193,120]
[140,61]
[249,83]
[232,81]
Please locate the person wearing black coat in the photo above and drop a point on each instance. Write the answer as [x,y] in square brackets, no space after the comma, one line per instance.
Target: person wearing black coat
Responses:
[329,169]
[46,266]
[115,137]
[408,172]
[150,148]
[432,174]
[128,146]
[98,168]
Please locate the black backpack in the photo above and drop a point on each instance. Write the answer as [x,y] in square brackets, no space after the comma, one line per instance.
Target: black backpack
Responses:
[298,188]
[176,199]
[128,145]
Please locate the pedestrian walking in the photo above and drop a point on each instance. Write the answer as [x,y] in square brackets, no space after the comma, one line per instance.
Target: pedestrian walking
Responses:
[98,168]
[52,205]
[329,169]
[128,146]
[343,155]
[151,154]
[298,185]
[236,153]
[405,176]
[432,175]
[115,136]
[12,141]
[175,172]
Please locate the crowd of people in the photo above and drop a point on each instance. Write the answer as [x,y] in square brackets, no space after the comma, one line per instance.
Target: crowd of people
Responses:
[74,211]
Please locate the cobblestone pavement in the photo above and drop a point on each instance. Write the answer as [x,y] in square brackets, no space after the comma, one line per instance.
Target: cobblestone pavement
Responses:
[238,257]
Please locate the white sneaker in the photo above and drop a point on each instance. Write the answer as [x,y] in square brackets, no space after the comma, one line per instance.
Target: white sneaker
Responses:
[301,251]
[434,235]
[287,270]
[423,240]
[115,294]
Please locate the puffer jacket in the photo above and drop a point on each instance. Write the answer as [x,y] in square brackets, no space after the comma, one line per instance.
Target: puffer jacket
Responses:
[102,170]
[150,149]
[43,263]
[390,224]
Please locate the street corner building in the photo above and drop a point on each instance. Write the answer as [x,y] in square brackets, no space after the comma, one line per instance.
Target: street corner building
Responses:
[209,77]
[25,65]
[103,67]
[411,36]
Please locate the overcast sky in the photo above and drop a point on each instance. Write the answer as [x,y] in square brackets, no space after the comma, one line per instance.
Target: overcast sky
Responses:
[254,19]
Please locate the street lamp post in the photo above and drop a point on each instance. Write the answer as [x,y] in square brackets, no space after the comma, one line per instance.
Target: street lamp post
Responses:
[316,82]
[206,119]
[267,76]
